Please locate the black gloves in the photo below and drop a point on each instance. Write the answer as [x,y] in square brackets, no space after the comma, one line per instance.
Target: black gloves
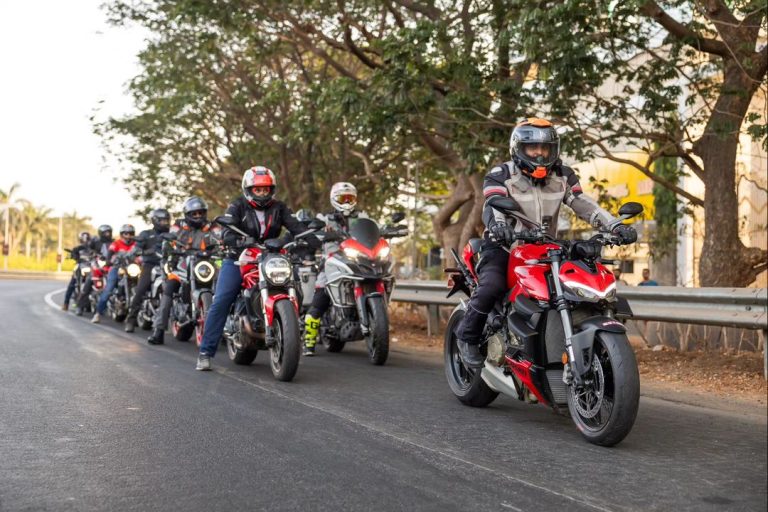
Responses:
[627,234]
[501,233]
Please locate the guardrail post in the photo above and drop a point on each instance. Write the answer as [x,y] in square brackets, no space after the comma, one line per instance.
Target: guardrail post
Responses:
[433,319]
[765,354]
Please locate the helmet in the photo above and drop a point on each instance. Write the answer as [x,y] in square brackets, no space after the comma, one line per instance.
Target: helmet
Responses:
[304,215]
[195,212]
[127,231]
[84,237]
[534,132]
[344,197]
[105,233]
[258,176]
[161,220]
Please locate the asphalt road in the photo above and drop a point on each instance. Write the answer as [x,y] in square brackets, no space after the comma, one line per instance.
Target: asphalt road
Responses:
[92,418]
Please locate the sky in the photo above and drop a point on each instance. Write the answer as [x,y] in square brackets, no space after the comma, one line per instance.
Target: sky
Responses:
[58,61]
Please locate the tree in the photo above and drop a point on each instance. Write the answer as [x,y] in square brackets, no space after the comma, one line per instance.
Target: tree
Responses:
[670,78]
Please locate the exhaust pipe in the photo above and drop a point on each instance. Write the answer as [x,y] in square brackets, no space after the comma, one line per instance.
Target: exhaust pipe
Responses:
[498,381]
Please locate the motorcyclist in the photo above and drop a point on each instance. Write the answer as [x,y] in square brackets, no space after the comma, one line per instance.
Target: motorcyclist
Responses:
[192,232]
[259,215]
[344,200]
[99,246]
[538,181]
[84,238]
[118,248]
[148,246]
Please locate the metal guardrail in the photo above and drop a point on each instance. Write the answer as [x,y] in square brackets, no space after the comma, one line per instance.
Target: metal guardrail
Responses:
[34,275]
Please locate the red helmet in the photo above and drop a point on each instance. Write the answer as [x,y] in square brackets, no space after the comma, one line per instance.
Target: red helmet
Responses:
[259,176]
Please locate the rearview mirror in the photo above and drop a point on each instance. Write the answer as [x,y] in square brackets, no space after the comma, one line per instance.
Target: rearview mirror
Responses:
[397,217]
[224,220]
[316,224]
[631,209]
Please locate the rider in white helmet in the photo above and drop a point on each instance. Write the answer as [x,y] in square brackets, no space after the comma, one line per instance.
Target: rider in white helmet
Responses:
[344,200]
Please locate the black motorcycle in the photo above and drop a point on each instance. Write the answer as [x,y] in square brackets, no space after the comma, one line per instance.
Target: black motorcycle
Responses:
[128,271]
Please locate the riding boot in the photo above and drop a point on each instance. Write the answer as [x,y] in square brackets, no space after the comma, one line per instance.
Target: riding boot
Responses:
[157,337]
[311,331]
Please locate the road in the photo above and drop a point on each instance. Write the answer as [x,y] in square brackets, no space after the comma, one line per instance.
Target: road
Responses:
[95,419]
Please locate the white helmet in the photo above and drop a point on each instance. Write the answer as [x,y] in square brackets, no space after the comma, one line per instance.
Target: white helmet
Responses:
[344,197]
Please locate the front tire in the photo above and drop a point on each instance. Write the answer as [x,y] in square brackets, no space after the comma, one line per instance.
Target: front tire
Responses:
[203,305]
[378,338]
[285,355]
[465,383]
[606,412]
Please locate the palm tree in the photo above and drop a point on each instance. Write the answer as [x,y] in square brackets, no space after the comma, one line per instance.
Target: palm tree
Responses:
[35,225]
[7,197]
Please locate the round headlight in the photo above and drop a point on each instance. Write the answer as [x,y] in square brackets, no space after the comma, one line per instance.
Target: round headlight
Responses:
[204,271]
[277,270]
[133,270]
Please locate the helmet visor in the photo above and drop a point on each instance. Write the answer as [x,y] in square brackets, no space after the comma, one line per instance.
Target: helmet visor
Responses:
[539,153]
[346,199]
[259,191]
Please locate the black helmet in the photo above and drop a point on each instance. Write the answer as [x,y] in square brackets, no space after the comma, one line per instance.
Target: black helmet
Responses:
[304,215]
[105,233]
[127,229]
[534,132]
[196,212]
[161,220]
[84,237]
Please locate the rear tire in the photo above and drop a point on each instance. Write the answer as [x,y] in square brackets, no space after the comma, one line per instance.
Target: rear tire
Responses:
[203,305]
[619,390]
[466,383]
[378,338]
[334,345]
[182,333]
[285,355]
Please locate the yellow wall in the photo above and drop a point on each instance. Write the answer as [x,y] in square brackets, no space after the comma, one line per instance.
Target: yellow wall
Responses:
[624,181]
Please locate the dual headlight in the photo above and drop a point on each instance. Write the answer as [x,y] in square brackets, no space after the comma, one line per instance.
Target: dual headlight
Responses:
[204,271]
[591,294]
[353,253]
[277,270]
[133,270]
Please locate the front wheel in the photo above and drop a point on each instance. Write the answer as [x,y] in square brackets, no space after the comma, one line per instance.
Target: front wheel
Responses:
[378,337]
[466,383]
[605,408]
[143,319]
[285,354]
[203,305]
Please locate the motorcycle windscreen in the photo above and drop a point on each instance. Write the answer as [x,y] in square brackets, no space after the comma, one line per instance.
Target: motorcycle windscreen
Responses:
[365,232]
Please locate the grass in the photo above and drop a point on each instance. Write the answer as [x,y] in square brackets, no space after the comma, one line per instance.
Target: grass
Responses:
[46,264]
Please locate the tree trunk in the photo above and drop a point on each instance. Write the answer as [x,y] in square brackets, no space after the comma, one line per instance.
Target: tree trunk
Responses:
[725,260]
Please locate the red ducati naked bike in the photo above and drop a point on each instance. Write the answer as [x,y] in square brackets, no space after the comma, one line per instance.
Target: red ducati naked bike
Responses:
[555,338]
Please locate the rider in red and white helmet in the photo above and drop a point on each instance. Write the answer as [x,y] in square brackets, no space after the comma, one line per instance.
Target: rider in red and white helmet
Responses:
[261,216]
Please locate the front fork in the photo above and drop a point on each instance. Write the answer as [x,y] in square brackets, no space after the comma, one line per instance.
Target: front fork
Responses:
[570,375]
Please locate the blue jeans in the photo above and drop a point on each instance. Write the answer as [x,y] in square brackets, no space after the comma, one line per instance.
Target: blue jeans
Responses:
[70,290]
[101,307]
[227,287]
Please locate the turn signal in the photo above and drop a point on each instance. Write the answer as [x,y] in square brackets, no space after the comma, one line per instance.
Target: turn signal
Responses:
[565,358]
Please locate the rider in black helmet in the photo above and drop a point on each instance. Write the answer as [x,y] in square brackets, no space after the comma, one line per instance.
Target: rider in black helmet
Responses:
[148,246]
[84,238]
[99,246]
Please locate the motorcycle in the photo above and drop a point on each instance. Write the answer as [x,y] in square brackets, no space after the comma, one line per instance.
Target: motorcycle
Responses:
[197,272]
[151,302]
[99,271]
[128,271]
[82,269]
[360,283]
[265,314]
[556,338]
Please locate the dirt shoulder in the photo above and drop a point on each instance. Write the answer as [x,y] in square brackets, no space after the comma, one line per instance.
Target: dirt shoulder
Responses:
[729,382]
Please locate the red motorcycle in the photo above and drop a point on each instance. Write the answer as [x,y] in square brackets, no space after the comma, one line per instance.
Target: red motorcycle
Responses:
[555,338]
[265,314]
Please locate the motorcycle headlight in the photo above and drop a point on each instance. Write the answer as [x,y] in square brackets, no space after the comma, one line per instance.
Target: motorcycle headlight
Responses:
[383,253]
[351,253]
[204,271]
[590,294]
[277,270]
[133,270]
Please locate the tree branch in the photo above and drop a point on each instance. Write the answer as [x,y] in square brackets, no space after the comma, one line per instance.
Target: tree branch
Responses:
[682,32]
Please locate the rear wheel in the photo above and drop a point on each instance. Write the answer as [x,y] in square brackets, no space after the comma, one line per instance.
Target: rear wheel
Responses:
[378,337]
[605,408]
[181,331]
[203,304]
[285,354]
[144,320]
[333,345]
[466,383]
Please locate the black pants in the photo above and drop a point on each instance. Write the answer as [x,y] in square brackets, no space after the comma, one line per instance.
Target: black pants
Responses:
[321,301]
[170,286]
[492,284]
[145,281]
[70,289]
[83,301]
